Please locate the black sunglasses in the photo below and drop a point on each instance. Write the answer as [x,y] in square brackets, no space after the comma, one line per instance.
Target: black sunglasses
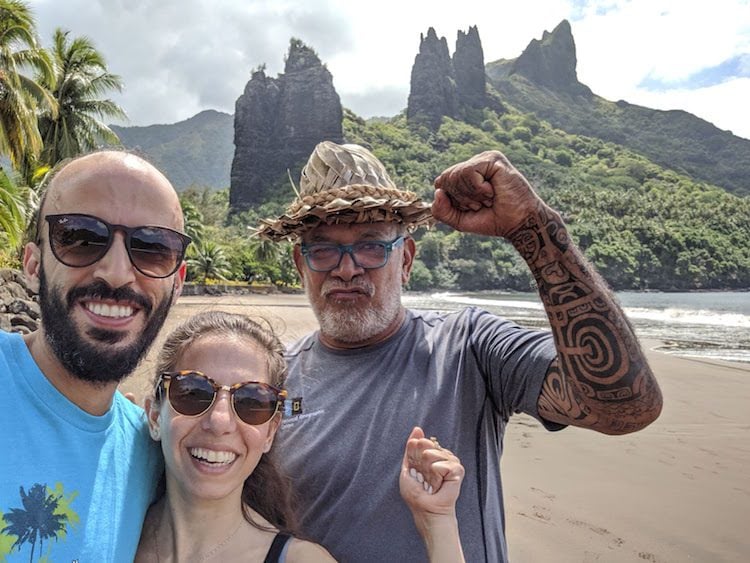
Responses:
[79,240]
[191,393]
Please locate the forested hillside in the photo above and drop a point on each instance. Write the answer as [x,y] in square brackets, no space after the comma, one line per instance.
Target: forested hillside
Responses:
[194,152]
[643,226]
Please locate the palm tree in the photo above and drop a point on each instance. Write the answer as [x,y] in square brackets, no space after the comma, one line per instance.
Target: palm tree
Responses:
[17,203]
[193,220]
[81,78]
[208,261]
[264,251]
[36,520]
[21,96]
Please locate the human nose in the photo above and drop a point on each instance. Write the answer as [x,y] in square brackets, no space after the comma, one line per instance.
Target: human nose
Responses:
[220,418]
[115,267]
[347,267]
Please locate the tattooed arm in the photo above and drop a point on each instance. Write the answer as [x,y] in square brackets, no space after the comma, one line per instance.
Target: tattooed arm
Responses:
[600,378]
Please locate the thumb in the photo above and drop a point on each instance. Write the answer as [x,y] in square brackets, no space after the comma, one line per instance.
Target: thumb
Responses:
[416,434]
[444,211]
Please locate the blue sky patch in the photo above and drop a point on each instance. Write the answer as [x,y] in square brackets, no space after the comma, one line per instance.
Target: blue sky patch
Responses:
[580,8]
[736,67]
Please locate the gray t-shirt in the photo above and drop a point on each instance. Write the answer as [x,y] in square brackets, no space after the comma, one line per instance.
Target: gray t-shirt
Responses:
[459,376]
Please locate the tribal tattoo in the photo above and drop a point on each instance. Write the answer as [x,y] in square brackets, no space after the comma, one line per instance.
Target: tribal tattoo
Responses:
[600,378]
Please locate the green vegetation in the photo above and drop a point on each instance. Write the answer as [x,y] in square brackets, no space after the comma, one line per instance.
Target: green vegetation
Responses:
[675,139]
[81,77]
[224,248]
[642,225]
[194,152]
[21,95]
[51,108]
[14,203]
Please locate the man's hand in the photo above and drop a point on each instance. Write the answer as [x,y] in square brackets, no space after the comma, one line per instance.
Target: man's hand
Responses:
[485,195]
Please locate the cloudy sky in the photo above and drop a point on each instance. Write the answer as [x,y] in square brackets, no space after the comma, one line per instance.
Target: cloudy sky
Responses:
[179,57]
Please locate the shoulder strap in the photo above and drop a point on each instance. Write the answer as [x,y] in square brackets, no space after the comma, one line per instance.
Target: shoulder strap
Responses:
[277,546]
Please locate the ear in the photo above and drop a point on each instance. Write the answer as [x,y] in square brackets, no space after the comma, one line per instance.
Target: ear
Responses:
[299,263]
[154,419]
[410,252]
[272,428]
[32,263]
[179,280]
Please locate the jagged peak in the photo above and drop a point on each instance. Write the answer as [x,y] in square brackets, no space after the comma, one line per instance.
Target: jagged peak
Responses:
[258,73]
[551,61]
[431,35]
[432,43]
[300,57]
[472,34]
[563,30]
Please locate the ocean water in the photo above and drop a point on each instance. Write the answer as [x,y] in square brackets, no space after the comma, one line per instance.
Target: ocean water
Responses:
[711,325]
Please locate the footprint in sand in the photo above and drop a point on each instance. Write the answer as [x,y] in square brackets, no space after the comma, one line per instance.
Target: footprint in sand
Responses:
[545,494]
[542,513]
[616,541]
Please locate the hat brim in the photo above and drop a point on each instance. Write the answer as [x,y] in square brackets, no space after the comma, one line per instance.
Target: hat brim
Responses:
[309,212]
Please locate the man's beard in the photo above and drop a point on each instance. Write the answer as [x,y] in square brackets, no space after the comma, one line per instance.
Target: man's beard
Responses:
[104,363]
[350,324]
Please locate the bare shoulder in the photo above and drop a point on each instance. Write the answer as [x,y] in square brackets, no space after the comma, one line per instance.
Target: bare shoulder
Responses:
[301,551]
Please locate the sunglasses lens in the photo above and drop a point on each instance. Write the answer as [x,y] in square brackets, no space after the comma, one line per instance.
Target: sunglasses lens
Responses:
[255,403]
[190,394]
[78,241]
[156,251]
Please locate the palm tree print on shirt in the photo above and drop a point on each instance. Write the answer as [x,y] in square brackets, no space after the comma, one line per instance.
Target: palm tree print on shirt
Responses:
[36,521]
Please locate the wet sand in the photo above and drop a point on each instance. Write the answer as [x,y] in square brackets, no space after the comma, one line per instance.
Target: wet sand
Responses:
[676,491]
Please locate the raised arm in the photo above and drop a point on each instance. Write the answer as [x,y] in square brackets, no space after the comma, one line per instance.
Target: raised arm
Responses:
[600,378]
[430,482]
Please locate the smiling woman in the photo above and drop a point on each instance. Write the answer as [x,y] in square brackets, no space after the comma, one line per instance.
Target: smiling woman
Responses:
[216,404]
[215,408]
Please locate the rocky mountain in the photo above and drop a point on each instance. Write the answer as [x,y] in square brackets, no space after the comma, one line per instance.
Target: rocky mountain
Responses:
[551,62]
[543,81]
[433,84]
[445,86]
[278,122]
[468,66]
[194,152]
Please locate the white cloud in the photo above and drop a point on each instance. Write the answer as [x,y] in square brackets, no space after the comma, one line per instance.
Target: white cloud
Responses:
[721,102]
[178,57]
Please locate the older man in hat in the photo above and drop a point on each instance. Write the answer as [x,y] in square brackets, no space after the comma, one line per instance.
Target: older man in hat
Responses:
[376,369]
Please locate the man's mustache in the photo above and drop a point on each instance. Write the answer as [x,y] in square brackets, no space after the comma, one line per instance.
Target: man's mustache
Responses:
[101,291]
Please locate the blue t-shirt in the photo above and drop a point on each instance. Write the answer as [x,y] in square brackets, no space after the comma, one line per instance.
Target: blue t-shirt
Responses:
[73,486]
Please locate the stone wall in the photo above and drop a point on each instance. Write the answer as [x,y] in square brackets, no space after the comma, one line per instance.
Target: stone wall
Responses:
[19,310]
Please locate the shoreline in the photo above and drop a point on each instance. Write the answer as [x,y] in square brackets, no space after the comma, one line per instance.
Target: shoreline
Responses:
[678,490]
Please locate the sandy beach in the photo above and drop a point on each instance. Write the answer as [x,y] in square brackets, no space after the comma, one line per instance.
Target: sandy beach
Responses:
[677,491]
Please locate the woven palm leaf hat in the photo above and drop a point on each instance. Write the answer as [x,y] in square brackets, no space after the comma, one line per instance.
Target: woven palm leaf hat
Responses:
[345,184]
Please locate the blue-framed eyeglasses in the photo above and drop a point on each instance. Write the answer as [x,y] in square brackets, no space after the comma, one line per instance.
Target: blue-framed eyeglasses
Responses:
[367,254]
